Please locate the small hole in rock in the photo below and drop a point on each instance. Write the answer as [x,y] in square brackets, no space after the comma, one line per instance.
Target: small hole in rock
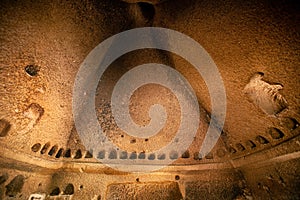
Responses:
[240,147]
[221,153]
[68,153]
[112,154]
[88,154]
[197,156]
[262,140]
[142,155]
[45,148]
[186,154]
[232,150]
[4,127]
[53,150]
[209,156]
[137,180]
[173,155]
[261,73]
[133,156]
[101,154]
[69,189]
[36,147]
[250,144]
[55,191]
[147,10]
[146,140]
[151,156]
[78,154]
[59,153]
[276,133]
[32,70]
[81,187]
[123,155]
[161,156]
[133,141]
[177,177]
[290,123]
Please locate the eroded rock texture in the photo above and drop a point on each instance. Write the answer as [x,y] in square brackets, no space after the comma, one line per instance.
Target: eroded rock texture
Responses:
[255,46]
